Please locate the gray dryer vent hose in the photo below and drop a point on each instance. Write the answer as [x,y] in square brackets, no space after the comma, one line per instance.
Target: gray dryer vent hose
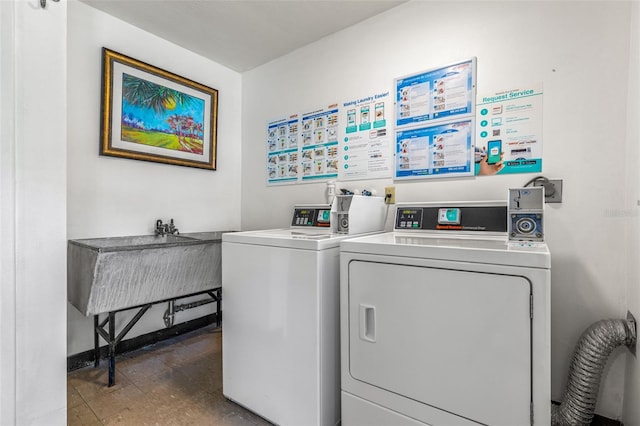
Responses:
[589,358]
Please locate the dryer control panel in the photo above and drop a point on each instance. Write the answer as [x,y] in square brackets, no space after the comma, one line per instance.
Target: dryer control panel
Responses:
[458,217]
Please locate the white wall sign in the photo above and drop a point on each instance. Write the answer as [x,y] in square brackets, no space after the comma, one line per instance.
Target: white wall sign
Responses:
[365,148]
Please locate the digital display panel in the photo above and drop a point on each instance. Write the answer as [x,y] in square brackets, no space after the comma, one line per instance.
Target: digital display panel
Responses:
[311,217]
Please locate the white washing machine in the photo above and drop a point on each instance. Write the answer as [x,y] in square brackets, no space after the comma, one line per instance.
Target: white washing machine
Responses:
[280,305]
[445,322]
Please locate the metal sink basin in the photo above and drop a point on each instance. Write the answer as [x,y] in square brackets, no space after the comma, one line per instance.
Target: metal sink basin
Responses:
[132,243]
[110,274]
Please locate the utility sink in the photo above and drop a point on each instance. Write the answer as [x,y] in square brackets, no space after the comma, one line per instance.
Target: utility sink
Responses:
[111,274]
[133,242]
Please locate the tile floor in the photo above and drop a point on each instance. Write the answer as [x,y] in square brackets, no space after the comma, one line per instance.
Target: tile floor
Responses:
[172,383]
[175,382]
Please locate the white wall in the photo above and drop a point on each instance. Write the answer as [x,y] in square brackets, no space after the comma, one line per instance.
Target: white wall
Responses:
[578,50]
[32,213]
[632,225]
[109,196]
[7,216]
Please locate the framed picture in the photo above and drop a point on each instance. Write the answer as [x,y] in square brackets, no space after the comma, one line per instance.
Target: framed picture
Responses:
[151,114]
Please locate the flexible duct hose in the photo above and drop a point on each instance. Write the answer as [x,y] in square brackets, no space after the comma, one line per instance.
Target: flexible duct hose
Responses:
[589,358]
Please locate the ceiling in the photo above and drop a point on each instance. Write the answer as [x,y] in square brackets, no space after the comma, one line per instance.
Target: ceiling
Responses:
[242,34]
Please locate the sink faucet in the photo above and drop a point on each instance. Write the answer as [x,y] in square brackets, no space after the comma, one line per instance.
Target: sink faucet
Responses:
[171,229]
[163,229]
[159,228]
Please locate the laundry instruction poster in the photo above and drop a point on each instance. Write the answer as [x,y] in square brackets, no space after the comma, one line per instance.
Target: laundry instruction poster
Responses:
[303,147]
[442,93]
[282,150]
[435,151]
[509,131]
[435,122]
[366,150]
[319,155]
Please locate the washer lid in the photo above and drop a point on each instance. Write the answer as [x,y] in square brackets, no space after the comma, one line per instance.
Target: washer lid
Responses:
[288,238]
[496,250]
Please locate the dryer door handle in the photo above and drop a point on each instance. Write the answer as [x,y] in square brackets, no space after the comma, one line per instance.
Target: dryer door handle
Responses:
[368,323]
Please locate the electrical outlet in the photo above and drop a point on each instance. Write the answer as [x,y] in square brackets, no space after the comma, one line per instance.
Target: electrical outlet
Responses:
[390,194]
[552,190]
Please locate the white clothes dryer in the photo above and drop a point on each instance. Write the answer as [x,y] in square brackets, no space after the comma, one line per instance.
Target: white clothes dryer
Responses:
[280,328]
[444,322]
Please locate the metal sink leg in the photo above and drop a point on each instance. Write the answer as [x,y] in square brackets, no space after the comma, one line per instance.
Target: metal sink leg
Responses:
[112,339]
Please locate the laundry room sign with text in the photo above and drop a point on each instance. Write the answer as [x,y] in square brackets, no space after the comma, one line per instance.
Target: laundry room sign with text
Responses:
[509,131]
[435,122]
[303,147]
[365,137]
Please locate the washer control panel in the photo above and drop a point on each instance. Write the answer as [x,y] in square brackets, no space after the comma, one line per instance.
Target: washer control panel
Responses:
[319,217]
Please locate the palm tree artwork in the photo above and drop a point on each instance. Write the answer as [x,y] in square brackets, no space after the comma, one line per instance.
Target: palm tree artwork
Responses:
[160,116]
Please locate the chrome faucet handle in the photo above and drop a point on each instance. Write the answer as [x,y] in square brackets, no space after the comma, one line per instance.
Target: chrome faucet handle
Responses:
[160,228]
[172,228]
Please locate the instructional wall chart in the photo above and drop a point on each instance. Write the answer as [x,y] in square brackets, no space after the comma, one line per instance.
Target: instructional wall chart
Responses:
[435,122]
[303,147]
[509,133]
[440,132]
[319,158]
[282,150]
[366,147]
[441,150]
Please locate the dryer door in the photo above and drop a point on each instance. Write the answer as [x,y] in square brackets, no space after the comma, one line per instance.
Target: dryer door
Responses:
[457,340]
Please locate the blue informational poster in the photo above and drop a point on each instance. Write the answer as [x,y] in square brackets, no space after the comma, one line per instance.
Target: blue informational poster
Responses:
[442,93]
[435,122]
[509,131]
[435,151]
[282,150]
[319,155]
[303,147]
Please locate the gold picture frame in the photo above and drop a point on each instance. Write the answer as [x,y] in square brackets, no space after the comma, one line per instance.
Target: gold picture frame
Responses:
[151,114]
